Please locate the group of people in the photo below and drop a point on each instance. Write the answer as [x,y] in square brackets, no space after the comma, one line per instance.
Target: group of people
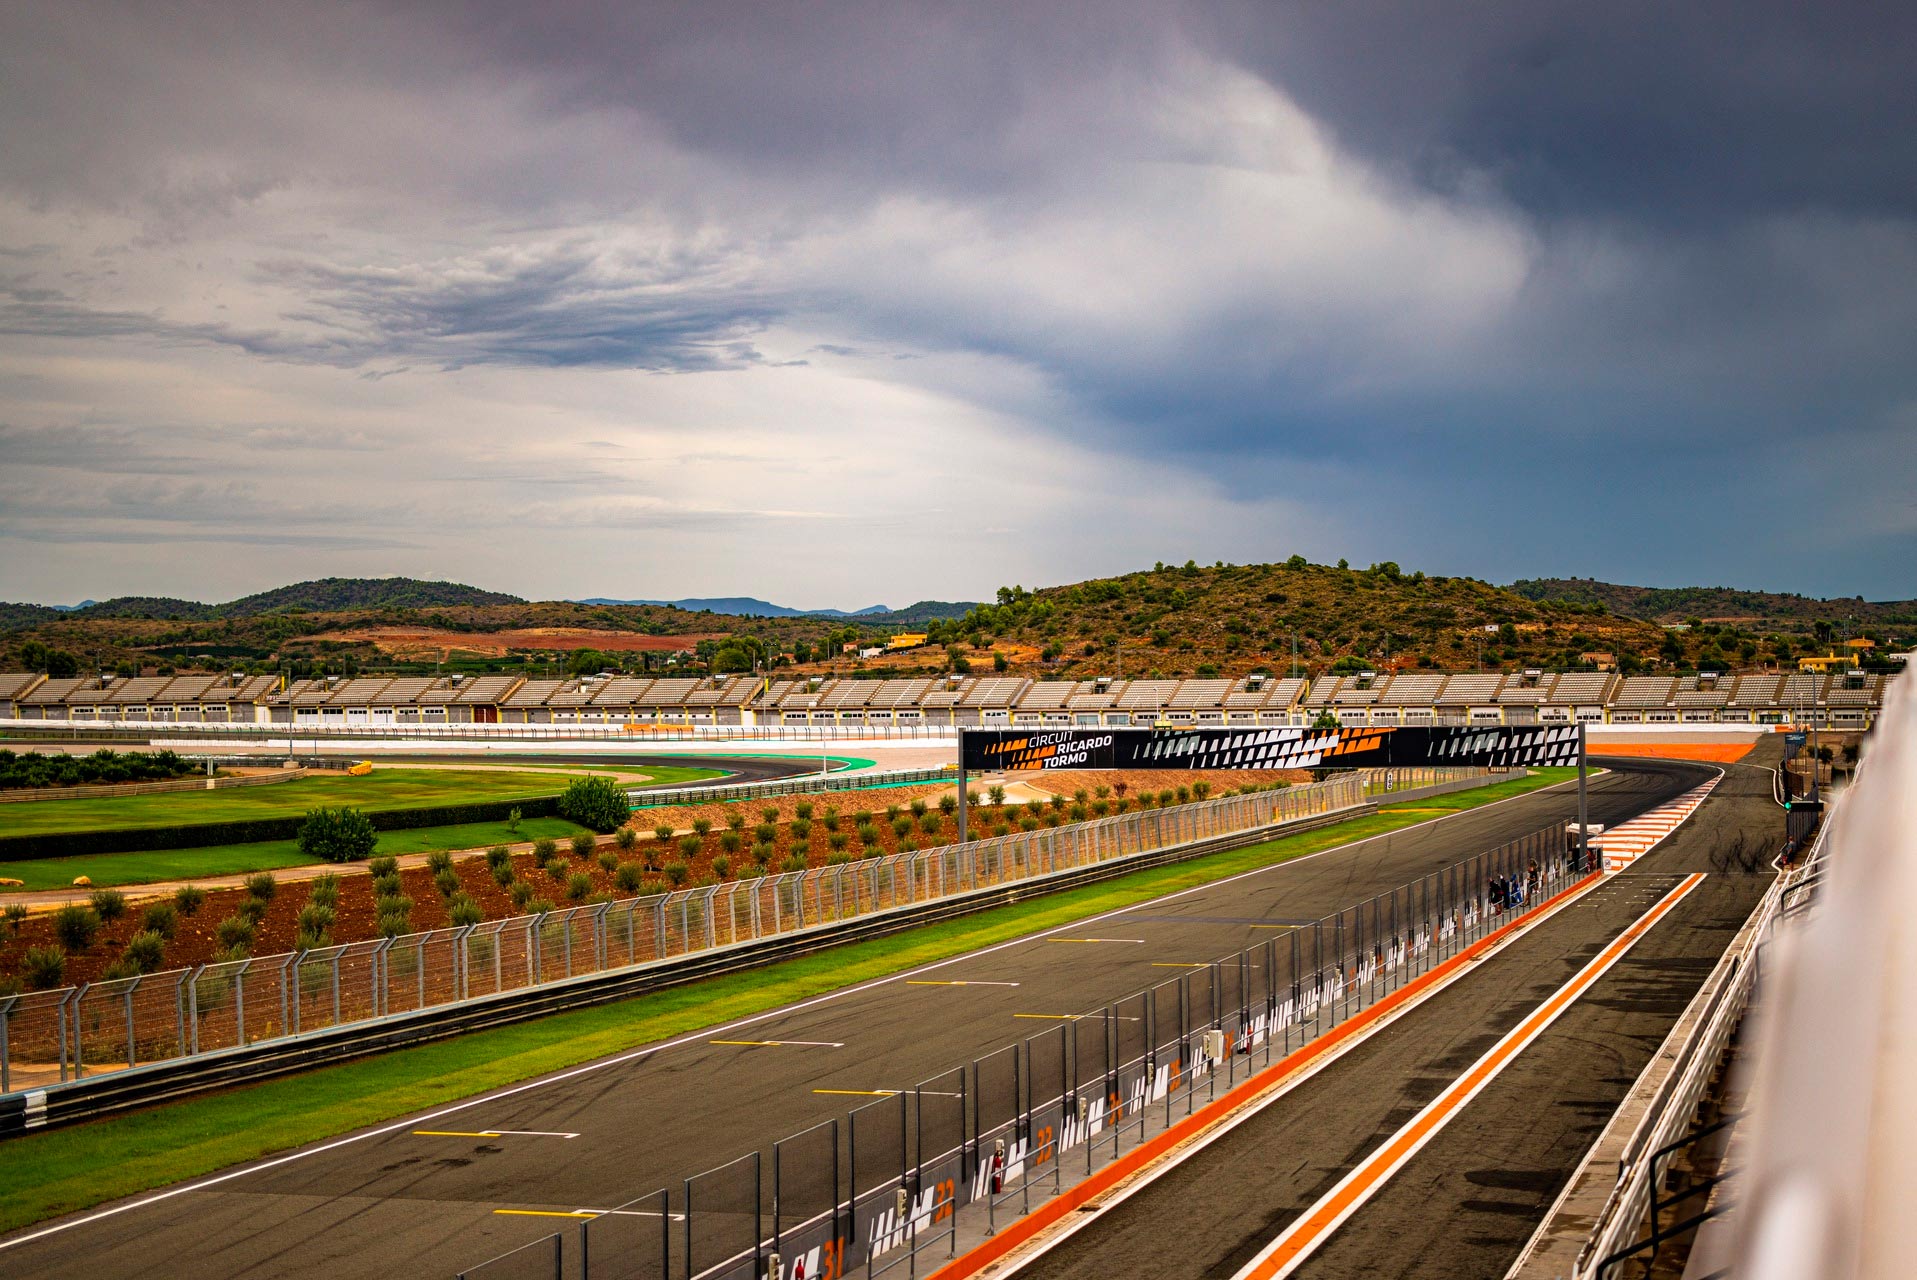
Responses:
[1513,891]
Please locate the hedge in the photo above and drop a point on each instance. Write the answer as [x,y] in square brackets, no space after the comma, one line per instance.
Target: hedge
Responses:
[67,844]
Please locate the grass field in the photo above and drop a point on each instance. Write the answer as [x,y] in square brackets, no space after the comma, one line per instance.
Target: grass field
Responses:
[67,1169]
[108,869]
[394,788]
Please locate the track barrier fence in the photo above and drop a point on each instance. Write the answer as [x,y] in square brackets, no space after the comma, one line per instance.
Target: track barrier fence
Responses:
[891,1186]
[48,1038]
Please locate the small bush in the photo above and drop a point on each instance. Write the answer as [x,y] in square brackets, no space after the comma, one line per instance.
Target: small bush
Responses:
[868,834]
[663,833]
[735,818]
[948,805]
[838,840]
[43,967]
[596,802]
[234,931]
[628,877]
[1034,807]
[801,831]
[75,925]
[795,862]
[901,827]
[677,872]
[765,833]
[831,818]
[521,893]
[396,904]
[503,874]
[1201,789]
[802,811]
[189,898]
[931,824]
[906,846]
[160,918]
[252,908]
[315,918]
[307,940]
[393,925]
[1184,795]
[325,891]
[583,844]
[15,914]
[625,838]
[545,850]
[761,855]
[732,842]
[919,808]
[1057,802]
[539,906]
[722,866]
[337,835]
[769,814]
[837,859]
[997,792]
[608,860]
[702,825]
[146,949]
[439,860]
[578,885]
[464,911]
[447,882]
[262,886]
[689,847]
[499,856]
[892,812]
[558,871]
[386,886]
[108,904]
[384,865]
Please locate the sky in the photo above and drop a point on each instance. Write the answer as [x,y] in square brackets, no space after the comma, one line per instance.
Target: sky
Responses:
[856,303]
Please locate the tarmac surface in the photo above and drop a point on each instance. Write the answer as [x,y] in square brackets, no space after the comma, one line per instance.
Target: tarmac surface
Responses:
[394,1201]
[1467,1202]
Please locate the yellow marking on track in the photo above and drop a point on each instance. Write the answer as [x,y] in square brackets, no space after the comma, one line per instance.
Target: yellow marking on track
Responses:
[1139,940]
[975,982]
[452,1133]
[1178,964]
[776,1044]
[1060,1017]
[861,1093]
[544,1213]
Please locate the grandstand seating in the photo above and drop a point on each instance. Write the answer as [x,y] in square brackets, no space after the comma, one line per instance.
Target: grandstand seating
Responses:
[1410,697]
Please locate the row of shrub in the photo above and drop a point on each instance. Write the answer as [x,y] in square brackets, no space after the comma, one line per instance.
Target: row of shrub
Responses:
[103,768]
[65,844]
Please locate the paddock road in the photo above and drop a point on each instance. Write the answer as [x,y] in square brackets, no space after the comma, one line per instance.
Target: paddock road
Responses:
[394,1200]
[1464,1204]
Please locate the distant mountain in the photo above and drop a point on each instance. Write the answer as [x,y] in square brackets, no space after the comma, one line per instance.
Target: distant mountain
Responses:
[322,595]
[748,607]
[69,608]
[1719,604]
[921,613]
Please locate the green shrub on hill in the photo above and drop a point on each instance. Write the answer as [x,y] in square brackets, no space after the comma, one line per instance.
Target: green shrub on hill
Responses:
[596,802]
[337,835]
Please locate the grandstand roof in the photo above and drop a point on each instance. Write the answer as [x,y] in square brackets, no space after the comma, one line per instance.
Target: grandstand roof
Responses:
[534,693]
[1646,691]
[1581,688]
[1413,689]
[54,692]
[1476,687]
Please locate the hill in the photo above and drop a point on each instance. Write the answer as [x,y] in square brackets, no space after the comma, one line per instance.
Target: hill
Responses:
[1233,619]
[1775,610]
[15,616]
[322,595]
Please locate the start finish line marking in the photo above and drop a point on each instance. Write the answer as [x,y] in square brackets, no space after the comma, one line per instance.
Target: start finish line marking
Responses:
[491,1133]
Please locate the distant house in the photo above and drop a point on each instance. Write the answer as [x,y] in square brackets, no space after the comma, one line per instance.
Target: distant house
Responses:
[1602,661]
[1825,663]
[906,640]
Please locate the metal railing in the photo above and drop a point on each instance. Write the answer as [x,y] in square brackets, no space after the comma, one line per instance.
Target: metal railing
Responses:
[979,1142]
[804,784]
[48,1038]
[1621,1229]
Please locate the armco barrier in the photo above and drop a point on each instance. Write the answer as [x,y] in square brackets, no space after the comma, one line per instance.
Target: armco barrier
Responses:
[61,1052]
[965,1152]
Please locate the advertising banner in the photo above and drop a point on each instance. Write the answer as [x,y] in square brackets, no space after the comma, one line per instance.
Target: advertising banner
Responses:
[1493,746]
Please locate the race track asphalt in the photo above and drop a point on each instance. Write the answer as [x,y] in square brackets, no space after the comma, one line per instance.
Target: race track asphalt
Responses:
[392,1202]
[1466,1203]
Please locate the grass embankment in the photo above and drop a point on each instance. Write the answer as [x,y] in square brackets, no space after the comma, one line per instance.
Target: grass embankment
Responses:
[70,1169]
[379,790]
[123,869]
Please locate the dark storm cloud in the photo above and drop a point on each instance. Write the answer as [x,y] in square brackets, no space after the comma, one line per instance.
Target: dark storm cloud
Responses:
[1405,259]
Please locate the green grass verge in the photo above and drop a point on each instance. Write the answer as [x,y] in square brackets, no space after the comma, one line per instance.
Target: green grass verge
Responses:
[381,789]
[108,869]
[70,1169]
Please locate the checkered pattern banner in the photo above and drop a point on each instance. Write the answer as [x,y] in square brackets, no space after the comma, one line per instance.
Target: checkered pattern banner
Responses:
[989,750]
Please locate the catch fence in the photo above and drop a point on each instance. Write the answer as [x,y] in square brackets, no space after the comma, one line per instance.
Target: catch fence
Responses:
[893,1185]
[48,1038]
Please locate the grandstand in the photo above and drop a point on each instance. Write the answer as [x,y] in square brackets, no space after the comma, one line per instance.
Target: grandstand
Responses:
[1840,700]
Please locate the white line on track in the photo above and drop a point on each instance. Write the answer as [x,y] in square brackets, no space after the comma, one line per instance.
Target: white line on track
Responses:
[399,1126]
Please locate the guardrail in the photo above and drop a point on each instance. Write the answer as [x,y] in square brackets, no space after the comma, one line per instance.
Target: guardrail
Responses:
[55,1039]
[1724,998]
[899,1177]
[804,784]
